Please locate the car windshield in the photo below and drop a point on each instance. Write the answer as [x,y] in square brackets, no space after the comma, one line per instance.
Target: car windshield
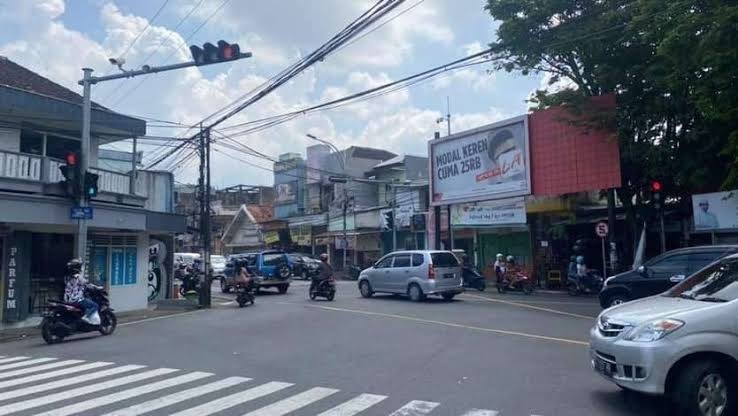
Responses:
[294,257]
[273,259]
[717,283]
[217,260]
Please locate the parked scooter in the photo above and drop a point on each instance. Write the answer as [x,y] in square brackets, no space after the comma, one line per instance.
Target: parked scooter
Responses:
[521,284]
[63,319]
[471,278]
[326,288]
[590,284]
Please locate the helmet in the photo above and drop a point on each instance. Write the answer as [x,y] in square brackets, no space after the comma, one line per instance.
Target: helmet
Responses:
[573,258]
[500,256]
[324,257]
[580,259]
[510,259]
[74,265]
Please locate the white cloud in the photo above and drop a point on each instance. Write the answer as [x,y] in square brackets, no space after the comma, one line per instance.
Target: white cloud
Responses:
[473,77]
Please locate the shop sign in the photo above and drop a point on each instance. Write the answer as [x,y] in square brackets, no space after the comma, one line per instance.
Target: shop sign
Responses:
[10,298]
[715,211]
[502,212]
[301,235]
[323,241]
[349,243]
[286,192]
[485,163]
[271,237]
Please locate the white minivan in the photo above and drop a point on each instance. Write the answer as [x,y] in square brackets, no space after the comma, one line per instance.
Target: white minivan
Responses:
[682,343]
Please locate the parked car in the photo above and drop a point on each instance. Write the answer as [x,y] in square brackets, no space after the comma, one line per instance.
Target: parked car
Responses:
[185,258]
[270,267]
[417,273]
[217,265]
[683,343]
[660,273]
[303,266]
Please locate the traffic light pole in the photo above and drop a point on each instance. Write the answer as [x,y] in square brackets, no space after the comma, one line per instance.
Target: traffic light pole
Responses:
[394,218]
[81,246]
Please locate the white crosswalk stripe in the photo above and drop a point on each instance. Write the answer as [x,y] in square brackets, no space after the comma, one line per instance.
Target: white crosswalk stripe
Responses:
[36,369]
[25,363]
[67,387]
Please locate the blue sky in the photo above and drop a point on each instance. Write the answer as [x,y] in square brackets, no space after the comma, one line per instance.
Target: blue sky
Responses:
[56,38]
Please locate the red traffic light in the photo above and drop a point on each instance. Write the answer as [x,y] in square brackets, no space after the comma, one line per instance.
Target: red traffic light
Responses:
[227,51]
[655,186]
[71,159]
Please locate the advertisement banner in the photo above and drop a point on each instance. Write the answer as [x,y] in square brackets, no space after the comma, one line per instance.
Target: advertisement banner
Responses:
[502,212]
[301,235]
[286,192]
[485,163]
[715,211]
[271,237]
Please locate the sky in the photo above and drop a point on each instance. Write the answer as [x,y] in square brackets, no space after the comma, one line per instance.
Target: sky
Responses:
[56,38]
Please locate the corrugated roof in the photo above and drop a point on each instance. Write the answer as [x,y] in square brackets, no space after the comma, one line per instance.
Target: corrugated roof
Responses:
[261,213]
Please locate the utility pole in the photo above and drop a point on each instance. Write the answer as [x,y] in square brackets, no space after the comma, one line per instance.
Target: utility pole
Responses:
[81,248]
[345,210]
[394,218]
[203,215]
[448,116]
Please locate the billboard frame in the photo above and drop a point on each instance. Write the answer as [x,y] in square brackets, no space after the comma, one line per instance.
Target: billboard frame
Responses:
[498,124]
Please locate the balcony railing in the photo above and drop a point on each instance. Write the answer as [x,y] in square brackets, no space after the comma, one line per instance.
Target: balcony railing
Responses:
[46,170]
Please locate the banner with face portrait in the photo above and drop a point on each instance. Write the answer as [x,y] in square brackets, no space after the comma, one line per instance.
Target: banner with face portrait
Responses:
[489,162]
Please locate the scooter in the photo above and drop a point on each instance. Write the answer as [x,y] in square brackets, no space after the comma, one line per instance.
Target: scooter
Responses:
[591,284]
[325,289]
[190,281]
[244,294]
[471,278]
[63,319]
[521,284]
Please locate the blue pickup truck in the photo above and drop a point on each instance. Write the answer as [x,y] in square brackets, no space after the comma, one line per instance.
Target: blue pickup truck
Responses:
[271,269]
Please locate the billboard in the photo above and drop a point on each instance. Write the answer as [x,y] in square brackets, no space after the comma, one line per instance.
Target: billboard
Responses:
[502,212]
[286,192]
[715,211]
[489,162]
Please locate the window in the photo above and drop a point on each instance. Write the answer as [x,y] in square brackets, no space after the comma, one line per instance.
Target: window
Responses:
[384,263]
[58,147]
[273,259]
[443,259]
[717,283]
[418,260]
[402,260]
[31,142]
[699,260]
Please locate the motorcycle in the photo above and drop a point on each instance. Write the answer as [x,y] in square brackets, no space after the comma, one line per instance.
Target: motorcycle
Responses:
[473,279]
[521,284]
[63,319]
[584,285]
[244,294]
[190,281]
[326,289]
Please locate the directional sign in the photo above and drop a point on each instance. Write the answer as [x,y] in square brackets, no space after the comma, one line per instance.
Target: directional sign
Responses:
[601,229]
[80,213]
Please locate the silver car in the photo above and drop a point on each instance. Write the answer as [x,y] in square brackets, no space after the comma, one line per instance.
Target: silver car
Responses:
[682,343]
[417,273]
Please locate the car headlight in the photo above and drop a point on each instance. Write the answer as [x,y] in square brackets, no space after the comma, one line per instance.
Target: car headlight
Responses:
[653,331]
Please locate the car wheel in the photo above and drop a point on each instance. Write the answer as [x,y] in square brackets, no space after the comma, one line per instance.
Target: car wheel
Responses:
[283,288]
[616,300]
[415,293]
[366,289]
[224,288]
[448,296]
[704,388]
[284,272]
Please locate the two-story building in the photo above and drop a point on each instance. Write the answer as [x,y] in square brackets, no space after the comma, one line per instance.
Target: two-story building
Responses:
[40,123]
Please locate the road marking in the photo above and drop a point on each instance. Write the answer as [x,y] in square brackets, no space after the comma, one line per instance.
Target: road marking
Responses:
[232,400]
[481,412]
[539,308]
[125,394]
[293,403]
[233,302]
[67,382]
[37,368]
[174,398]
[449,324]
[356,405]
[12,359]
[415,408]
[25,363]
[44,376]
[79,391]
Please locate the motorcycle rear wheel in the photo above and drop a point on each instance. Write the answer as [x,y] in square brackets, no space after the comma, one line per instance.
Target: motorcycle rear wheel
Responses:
[528,289]
[48,334]
[572,290]
[313,295]
[108,322]
[331,296]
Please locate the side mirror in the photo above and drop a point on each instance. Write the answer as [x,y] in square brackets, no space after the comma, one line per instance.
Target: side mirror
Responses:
[643,270]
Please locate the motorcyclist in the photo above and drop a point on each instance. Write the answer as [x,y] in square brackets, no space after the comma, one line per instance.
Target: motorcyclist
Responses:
[244,277]
[74,292]
[325,271]
[500,267]
[512,270]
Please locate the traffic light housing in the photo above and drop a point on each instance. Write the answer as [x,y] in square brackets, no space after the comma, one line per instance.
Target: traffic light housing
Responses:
[389,220]
[210,54]
[71,172]
[90,185]
[655,188]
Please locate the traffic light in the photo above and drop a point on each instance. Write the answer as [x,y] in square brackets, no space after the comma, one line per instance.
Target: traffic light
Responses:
[655,188]
[388,220]
[90,185]
[71,172]
[210,54]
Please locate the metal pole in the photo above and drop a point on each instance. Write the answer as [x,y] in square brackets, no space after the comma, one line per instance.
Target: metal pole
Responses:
[81,248]
[611,220]
[206,262]
[663,233]
[394,218]
[345,208]
[133,170]
[450,228]
[437,226]
[448,115]
[604,259]
[201,192]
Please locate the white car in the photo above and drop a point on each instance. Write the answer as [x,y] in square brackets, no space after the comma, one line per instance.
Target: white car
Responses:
[682,343]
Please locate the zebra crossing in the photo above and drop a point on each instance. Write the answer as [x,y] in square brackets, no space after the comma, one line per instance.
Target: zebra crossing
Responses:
[59,387]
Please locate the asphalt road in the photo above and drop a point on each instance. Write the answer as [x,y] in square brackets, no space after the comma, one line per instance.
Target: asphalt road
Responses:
[512,354]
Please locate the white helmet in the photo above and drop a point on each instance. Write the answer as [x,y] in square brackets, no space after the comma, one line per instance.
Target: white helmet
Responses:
[500,256]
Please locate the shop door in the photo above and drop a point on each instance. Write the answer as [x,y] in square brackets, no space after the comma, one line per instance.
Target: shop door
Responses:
[515,244]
